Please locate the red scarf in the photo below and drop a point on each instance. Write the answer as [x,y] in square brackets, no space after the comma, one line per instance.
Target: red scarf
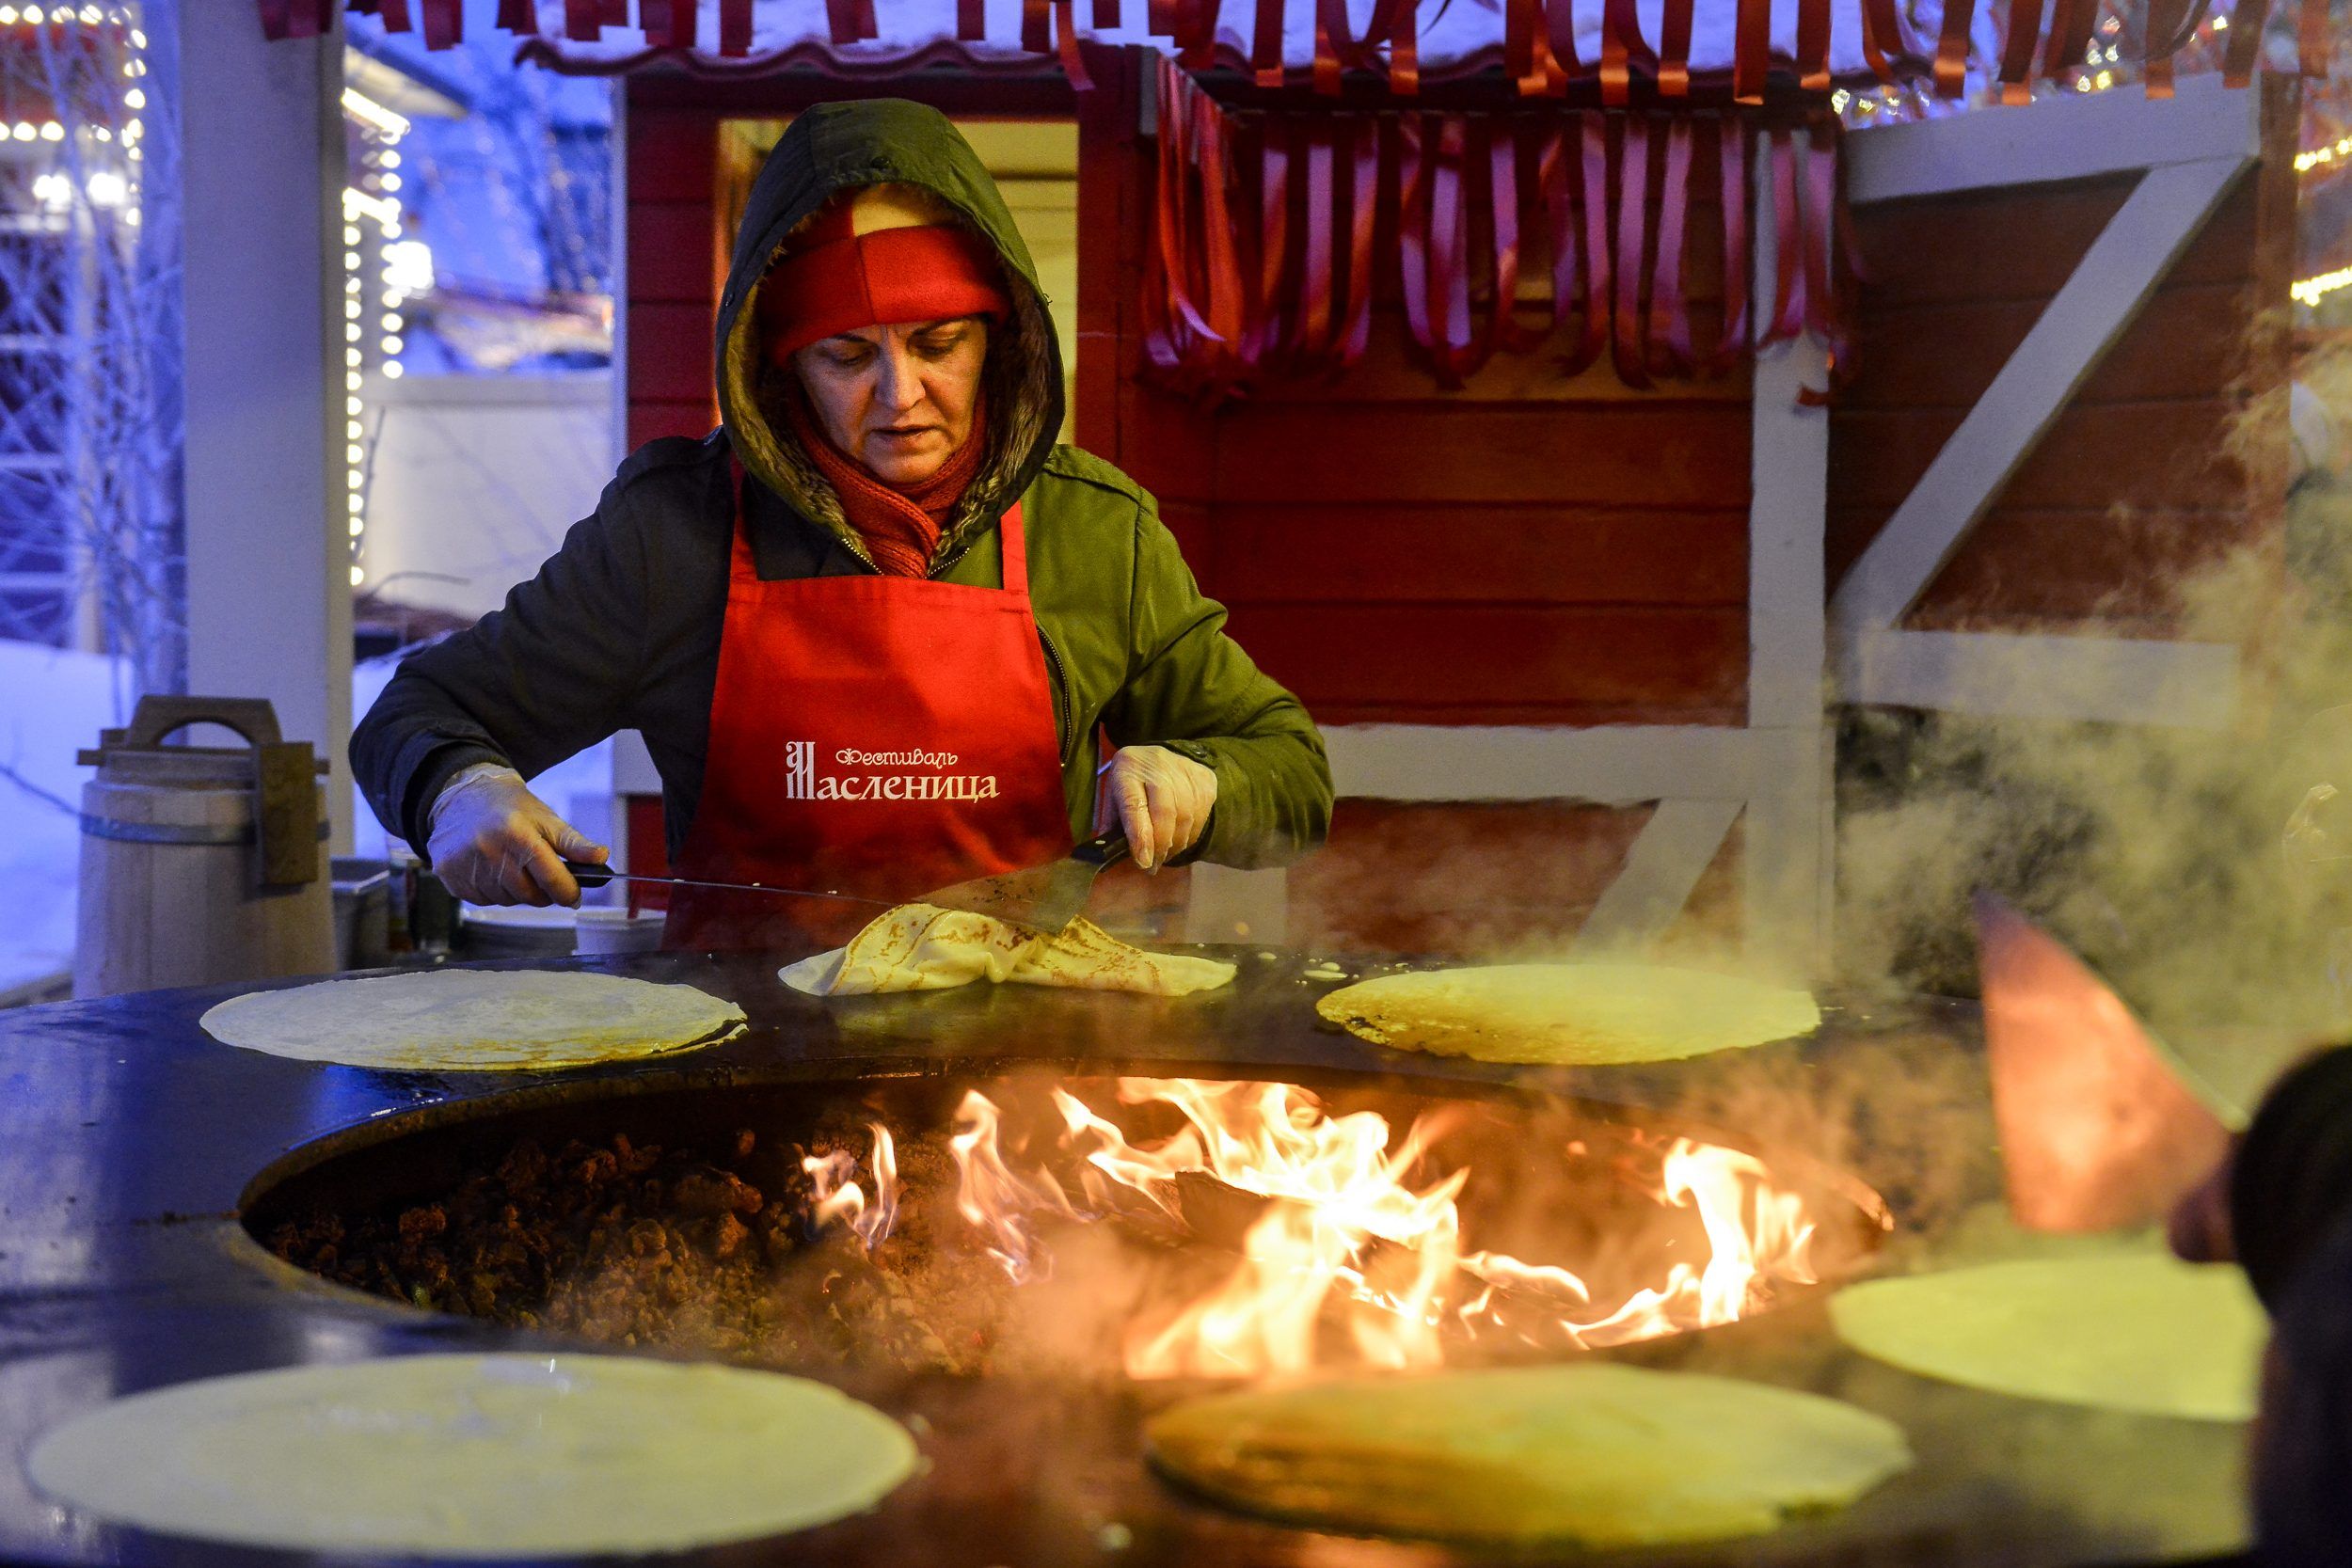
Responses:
[900,527]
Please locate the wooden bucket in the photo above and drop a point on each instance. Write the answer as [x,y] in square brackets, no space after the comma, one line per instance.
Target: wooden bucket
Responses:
[201,865]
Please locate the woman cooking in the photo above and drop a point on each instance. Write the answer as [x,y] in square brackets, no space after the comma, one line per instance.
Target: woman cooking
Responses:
[872,625]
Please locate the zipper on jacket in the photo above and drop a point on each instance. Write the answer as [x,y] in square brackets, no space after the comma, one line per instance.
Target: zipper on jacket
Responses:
[1063,701]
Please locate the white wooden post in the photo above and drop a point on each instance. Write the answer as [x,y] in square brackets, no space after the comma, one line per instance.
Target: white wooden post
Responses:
[268,549]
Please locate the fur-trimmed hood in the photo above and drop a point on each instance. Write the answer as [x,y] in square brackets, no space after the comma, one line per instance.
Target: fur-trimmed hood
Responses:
[838,147]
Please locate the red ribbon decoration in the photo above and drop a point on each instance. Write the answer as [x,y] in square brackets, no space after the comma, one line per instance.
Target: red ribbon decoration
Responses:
[2070,36]
[394,14]
[1620,38]
[1788,261]
[1106,15]
[972,21]
[734,29]
[2312,43]
[1883,37]
[1813,45]
[1560,41]
[1674,50]
[1592,208]
[1037,24]
[2025,31]
[1274,208]
[655,18]
[444,23]
[1316,282]
[1405,50]
[1065,40]
[1503,328]
[1520,18]
[1362,209]
[2246,42]
[515,16]
[583,21]
[1751,50]
[1731,145]
[1629,348]
[1669,308]
[1449,253]
[616,12]
[1412,225]
[1951,49]
[1265,46]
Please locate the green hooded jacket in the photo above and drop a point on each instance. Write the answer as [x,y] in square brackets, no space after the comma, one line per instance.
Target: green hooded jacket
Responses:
[620,629]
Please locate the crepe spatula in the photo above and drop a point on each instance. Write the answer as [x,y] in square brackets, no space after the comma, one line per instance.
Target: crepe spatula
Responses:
[1041,897]
[2101,1125]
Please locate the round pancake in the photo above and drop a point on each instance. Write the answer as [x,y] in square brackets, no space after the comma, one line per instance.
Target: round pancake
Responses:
[1605,1456]
[1574,1014]
[924,947]
[472,1020]
[2116,1330]
[478,1456]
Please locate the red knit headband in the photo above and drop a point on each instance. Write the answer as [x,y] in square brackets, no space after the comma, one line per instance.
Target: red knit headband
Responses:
[838,280]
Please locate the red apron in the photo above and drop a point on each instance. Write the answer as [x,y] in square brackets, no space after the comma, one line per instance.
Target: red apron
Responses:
[879,735]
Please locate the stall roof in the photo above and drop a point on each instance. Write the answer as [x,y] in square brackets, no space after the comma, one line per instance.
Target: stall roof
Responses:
[1635,49]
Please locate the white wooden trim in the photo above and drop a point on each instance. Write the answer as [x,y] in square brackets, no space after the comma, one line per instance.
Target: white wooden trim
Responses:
[2113,681]
[1668,857]
[2115,276]
[2071,138]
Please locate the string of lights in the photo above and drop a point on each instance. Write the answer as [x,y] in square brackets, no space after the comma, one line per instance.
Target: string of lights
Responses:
[377,267]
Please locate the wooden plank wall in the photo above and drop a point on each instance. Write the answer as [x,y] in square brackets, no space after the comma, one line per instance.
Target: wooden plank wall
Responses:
[2152,472]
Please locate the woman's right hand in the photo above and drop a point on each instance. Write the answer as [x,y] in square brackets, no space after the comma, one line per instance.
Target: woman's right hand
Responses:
[493,841]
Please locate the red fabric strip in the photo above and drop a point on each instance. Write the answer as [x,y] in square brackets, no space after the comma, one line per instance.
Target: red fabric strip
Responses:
[1620,35]
[302,19]
[869,26]
[1669,310]
[1274,211]
[1505,329]
[2312,44]
[1593,206]
[2246,42]
[1227,297]
[841,20]
[1813,45]
[1560,39]
[1196,35]
[1316,281]
[616,13]
[654,17]
[1518,43]
[1065,39]
[1412,225]
[1106,17]
[444,23]
[1363,210]
[2070,36]
[1628,345]
[1824,314]
[1788,243]
[1882,38]
[1036,25]
[394,15]
[276,19]
[972,21]
[1334,45]
[1751,50]
[1731,141]
[2025,31]
[1449,207]
[1159,18]
[1265,46]
[734,29]
[685,22]
[1405,52]
[515,16]
[1951,50]
[583,21]
[1555,197]
[1674,49]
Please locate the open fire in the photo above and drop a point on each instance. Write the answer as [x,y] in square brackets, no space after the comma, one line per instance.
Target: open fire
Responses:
[1080,1225]
[1358,1253]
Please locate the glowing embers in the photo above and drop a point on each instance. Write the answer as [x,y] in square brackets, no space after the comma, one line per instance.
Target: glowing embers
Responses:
[1352,1241]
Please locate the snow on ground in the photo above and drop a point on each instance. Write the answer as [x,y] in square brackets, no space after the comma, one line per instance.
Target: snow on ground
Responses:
[52,704]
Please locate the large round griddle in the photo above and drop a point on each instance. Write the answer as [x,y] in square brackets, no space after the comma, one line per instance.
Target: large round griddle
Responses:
[130,1141]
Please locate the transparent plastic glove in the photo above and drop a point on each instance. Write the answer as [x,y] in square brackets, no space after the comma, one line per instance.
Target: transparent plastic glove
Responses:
[493,841]
[1162,799]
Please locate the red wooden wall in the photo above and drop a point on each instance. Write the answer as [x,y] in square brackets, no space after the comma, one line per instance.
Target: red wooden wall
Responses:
[2153,470]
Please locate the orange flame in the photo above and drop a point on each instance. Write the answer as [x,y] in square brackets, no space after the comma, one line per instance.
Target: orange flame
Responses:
[1347,1243]
[840,1198]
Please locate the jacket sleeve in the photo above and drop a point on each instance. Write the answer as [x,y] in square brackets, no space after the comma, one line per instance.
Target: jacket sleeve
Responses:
[1191,688]
[554,672]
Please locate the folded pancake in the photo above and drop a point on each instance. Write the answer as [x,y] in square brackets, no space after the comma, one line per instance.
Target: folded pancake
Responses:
[478,1456]
[924,947]
[2111,1329]
[1603,1456]
[1575,1014]
[473,1020]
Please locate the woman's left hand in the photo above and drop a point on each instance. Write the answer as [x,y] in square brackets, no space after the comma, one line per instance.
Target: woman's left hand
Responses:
[1162,799]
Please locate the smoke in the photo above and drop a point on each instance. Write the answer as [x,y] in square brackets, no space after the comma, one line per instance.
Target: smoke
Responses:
[2156,850]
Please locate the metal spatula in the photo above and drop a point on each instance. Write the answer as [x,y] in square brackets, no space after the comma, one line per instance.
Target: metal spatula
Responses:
[1041,897]
[2101,1126]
